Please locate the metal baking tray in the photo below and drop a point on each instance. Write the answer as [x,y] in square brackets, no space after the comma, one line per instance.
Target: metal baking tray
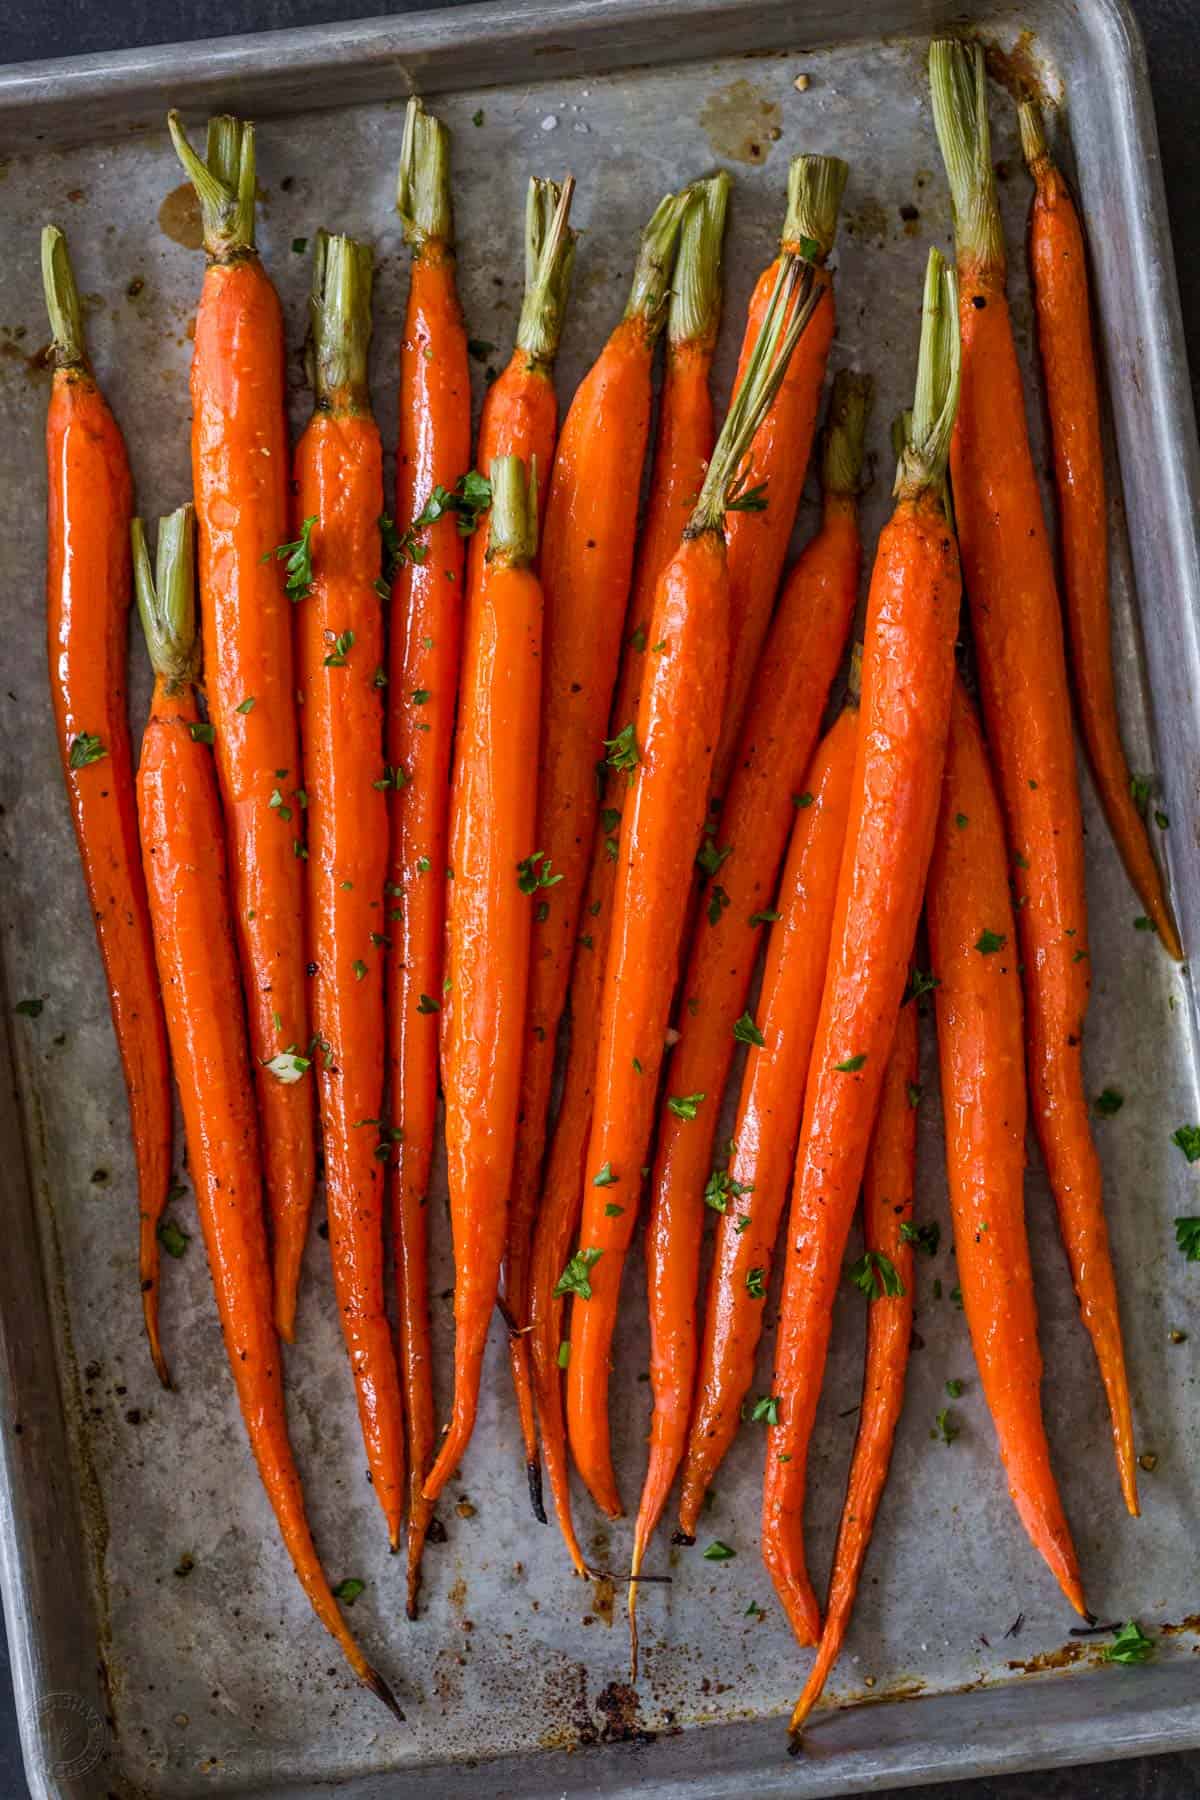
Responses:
[160,1644]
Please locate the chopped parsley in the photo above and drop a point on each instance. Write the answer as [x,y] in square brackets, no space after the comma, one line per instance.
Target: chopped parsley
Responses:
[764,918]
[296,558]
[756,1283]
[1187,1236]
[718,901]
[574,1278]
[247,705]
[533,872]
[684,1106]
[1130,1645]
[287,1066]
[709,858]
[623,752]
[765,1411]
[612,1210]
[604,1176]
[1188,1139]
[913,1090]
[925,1238]
[877,1276]
[721,1187]
[86,748]
[919,983]
[564,1353]
[944,1429]
[343,643]
[426,1005]
[30,1009]
[348,1591]
[1109,1102]
[746,1031]
[173,1239]
[988,942]
[719,1552]
[954,1388]
[852,1064]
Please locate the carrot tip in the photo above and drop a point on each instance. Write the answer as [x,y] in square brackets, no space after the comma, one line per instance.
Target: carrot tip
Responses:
[533,1470]
[379,1687]
[686,1538]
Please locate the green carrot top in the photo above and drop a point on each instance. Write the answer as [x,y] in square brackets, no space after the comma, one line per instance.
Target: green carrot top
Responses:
[695,307]
[224,183]
[549,259]
[166,597]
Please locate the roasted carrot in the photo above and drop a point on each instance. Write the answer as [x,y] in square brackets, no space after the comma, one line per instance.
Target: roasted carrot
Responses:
[742,856]
[586,567]
[240,468]
[496,868]
[183,849]
[684,445]
[666,754]
[426,642]
[769,1108]
[1008,572]
[520,410]
[1062,303]
[886,1276]
[778,458]
[90,502]
[339,657]
[907,671]
[973,952]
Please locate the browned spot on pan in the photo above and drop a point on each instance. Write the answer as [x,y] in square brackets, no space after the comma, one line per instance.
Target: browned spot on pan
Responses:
[179,217]
[741,122]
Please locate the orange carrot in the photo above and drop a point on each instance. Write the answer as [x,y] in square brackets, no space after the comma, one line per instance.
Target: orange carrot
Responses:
[1009,576]
[586,566]
[768,1116]
[685,442]
[666,754]
[520,409]
[339,657]
[1058,262]
[778,458]
[496,872]
[908,666]
[90,501]
[972,943]
[885,1275]
[426,643]
[240,468]
[190,906]
[742,858]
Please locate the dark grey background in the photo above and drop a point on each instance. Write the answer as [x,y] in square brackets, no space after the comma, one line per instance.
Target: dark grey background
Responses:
[39,28]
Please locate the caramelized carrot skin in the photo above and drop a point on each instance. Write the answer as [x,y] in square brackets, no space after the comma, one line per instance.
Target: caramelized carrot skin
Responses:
[87,606]
[662,817]
[758,541]
[792,682]
[685,439]
[769,1109]
[1063,308]
[240,469]
[980,1041]
[908,664]
[887,1206]
[339,480]
[492,823]
[426,647]
[1009,576]
[190,904]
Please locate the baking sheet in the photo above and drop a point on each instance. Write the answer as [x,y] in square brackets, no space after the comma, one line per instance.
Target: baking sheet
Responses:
[214,1678]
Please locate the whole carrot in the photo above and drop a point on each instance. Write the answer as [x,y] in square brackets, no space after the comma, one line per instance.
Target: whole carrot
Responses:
[191,909]
[907,671]
[973,950]
[1009,576]
[520,409]
[778,458]
[791,685]
[666,755]
[684,445]
[240,475]
[750,1194]
[1058,262]
[496,867]
[426,644]
[90,501]
[339,656]
[886,1276]
[586,567]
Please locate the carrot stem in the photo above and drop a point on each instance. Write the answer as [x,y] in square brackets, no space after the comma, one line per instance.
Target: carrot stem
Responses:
[62,302]
[549,260]
[423,181]
[225,183]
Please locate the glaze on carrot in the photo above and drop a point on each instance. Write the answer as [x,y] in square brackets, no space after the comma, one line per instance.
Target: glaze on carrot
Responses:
[426,644]
[742,856]
[749,1196]
[1062,303]
[684,445]
[89,505]
[665,755]
[973,954]
[907,671]
[183,847]
[886,1275]
[586,568]
[497,868]
[240,466]
[778,457]
[1008,572]
[339,657]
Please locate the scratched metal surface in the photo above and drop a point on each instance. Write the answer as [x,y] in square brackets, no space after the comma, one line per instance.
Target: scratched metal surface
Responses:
[214,1676]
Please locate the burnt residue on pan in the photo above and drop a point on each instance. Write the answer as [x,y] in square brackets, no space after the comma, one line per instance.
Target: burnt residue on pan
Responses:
[741,122]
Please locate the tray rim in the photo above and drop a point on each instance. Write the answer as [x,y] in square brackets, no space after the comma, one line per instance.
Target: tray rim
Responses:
[49,93]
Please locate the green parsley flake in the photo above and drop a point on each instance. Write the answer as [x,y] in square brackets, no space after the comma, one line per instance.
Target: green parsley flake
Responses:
[605,1176]
[719,1552]
[988,942]
[86,748]
[1130,1645]
[745,1031]
[852,1064]
[574,1278]
[684,1106]
[877,1276]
